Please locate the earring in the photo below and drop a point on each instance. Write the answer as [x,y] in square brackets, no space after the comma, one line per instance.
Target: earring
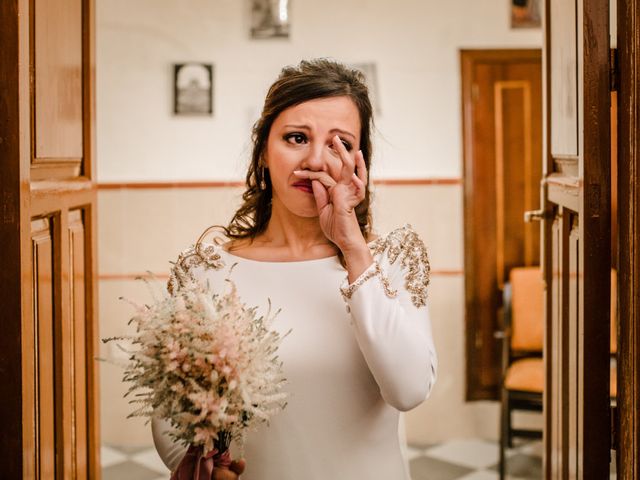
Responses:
[263,184]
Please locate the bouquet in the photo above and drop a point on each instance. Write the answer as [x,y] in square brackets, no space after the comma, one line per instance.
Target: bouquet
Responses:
[207,363]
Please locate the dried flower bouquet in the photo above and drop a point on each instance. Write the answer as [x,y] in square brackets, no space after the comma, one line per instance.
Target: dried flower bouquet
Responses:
[205,362]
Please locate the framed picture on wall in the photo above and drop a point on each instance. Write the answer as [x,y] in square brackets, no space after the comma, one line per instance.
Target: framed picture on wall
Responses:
[193,88]
[269,19]
[525,14]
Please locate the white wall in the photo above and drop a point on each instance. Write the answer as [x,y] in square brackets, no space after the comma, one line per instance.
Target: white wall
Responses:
[414,43]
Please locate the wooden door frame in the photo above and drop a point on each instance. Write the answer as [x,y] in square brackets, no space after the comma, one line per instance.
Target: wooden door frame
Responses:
[628,403]
[584,190]
[15,152]
[21,199]
[468,59]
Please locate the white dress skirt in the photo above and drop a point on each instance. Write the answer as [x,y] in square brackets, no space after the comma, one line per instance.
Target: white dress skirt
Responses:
[356,356]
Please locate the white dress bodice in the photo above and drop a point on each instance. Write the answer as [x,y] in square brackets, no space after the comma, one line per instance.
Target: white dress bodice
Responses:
[354,357]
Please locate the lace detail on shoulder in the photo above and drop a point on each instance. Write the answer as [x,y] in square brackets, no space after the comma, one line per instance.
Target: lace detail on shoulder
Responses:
[405,245]
[198,255]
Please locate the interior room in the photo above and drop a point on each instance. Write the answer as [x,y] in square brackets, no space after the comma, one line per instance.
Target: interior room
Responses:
[164,177]
[431,268]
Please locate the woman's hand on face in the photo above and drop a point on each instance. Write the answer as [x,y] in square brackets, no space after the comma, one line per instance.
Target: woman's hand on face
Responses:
[337,198]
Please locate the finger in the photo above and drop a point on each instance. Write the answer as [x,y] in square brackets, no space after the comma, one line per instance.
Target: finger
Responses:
[238,466]
[360,188]
[320,194]
[361,167]
[348,165]
[322,177]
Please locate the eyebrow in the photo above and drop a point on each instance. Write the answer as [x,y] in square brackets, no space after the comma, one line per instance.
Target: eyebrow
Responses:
[333,130]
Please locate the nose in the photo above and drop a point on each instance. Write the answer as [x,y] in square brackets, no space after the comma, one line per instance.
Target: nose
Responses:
[314,159]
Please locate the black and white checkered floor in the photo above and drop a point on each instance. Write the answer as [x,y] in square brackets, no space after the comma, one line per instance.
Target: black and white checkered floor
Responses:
[469,459]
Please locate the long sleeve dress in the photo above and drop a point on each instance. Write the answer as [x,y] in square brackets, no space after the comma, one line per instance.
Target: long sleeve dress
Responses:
[357,354]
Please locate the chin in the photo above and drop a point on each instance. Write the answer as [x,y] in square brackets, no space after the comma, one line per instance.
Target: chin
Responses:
[305,208]
[305,212]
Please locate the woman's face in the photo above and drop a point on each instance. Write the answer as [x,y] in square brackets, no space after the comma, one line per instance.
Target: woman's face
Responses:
[301,138]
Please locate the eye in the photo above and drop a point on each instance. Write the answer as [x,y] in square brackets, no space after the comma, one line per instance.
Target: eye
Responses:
[296,138]
[346,144]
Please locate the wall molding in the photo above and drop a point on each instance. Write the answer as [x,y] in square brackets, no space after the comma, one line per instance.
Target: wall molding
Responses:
[118,277]
[238,183]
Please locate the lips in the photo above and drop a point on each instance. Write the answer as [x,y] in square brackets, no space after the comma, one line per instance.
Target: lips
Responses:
[304,185]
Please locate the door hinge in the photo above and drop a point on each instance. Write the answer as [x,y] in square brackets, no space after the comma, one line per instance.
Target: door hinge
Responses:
[613,70]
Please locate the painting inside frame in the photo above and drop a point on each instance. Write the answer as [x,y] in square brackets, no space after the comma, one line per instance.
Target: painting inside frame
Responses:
[193,89]
[269,19]
[525,14]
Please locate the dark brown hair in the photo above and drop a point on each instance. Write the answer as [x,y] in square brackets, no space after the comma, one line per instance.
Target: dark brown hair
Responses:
[309,80]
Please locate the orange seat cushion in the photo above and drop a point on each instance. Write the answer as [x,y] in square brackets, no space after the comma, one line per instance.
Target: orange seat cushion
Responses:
[527,309]
[526,375]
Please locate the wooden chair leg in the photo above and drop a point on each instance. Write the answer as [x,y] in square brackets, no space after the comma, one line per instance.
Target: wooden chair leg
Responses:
[504,431]
[509,429]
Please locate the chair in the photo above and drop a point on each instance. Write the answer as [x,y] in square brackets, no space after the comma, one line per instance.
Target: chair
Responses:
[522,363]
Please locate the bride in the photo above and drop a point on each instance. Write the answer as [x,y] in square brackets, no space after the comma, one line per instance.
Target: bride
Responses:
[360,348]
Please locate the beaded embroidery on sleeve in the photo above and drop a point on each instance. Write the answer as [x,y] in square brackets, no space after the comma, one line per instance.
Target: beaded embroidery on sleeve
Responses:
[205,255]
[405,245]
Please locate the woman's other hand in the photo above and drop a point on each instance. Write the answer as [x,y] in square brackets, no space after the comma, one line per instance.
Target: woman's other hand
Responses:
[337,198]
[232,472]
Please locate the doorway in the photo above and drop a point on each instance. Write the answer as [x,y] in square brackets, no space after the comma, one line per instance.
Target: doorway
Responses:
[502,138]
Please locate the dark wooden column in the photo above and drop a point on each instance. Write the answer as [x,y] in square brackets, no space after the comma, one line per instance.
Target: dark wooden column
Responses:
[629,239]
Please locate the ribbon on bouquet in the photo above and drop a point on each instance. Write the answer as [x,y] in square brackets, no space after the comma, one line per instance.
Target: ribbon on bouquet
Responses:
[196,465]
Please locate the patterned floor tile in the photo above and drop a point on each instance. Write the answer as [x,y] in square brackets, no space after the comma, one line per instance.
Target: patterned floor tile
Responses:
[532,448]
[128,471]
[426,468]
[127,450]
[523,466]
[413,452]
[150,459]
[110,456]
[481,475]
[471,453]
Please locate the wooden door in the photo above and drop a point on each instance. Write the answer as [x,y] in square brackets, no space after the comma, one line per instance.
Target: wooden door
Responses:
[576,238]
[48,375]
[502,130]
[628,147]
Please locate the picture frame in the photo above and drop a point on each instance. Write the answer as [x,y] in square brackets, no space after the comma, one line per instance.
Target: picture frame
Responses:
[193,89]
[269,19]
[525,14]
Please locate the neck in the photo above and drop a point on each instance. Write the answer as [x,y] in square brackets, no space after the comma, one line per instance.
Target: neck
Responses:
[297,234]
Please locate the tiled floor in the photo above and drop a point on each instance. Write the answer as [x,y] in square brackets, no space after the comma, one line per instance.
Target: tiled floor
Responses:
[474,459]
[454,460]
[126,463]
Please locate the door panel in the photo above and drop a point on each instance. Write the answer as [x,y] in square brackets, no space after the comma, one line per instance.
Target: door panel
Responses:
[43,316]
[576,238]
[58,68]
[78,341]
[563,70]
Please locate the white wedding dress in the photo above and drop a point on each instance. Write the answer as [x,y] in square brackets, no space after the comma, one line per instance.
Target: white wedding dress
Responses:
[356,355]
